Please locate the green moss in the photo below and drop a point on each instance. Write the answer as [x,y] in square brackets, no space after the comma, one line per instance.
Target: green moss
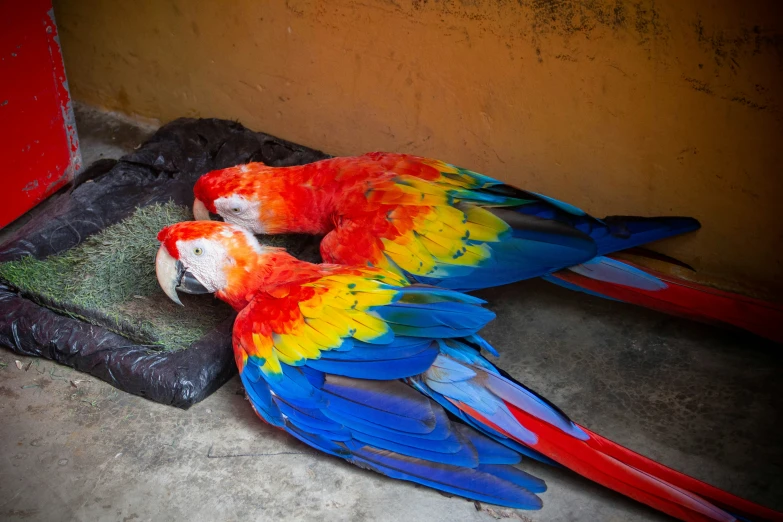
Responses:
[109,280]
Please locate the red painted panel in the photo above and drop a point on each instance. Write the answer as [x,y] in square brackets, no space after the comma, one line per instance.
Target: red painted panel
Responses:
[38,141]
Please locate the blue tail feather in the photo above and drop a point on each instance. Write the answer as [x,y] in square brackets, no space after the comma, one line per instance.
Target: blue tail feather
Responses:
[626,232]
[616,272]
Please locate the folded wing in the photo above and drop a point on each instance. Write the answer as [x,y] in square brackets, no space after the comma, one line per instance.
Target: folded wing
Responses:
[440,224]
[301,351]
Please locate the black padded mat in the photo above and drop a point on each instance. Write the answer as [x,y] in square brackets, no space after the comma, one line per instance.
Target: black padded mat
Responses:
[164,169]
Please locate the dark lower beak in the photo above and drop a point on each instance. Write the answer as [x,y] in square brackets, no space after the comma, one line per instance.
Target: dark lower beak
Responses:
[187,282]
[172,276]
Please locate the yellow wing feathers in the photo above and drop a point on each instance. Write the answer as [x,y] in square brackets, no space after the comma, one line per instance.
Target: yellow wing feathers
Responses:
[315,317]
[428,240]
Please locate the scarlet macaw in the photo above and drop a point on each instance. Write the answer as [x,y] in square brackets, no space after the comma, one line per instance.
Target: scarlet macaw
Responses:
[357,362]
[439,224]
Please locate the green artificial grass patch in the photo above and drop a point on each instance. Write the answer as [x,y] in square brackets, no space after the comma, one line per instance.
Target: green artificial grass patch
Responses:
[109,280]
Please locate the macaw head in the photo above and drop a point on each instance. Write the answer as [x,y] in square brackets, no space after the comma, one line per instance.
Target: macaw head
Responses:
[199,257]
[233,194]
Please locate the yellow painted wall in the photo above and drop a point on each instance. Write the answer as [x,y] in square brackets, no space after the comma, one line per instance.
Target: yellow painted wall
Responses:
[618,106]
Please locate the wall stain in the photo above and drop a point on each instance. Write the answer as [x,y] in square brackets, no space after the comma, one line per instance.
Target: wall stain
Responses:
[728,48]
[746,102]
[559,17]
[647,22]
[684,153]
[124,100]
[295,7]
[585,16]
[698,85]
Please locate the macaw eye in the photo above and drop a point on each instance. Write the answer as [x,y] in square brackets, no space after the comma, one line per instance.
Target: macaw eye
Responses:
[198,251]
[236,210]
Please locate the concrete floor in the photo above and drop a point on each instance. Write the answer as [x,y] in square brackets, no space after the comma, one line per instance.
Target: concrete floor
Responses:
[697,398]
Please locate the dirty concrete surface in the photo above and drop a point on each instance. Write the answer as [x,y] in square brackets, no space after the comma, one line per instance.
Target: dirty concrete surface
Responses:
[703,400]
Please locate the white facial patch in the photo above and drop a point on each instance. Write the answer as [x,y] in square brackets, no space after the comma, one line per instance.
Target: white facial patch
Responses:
[205,259]
[237,210]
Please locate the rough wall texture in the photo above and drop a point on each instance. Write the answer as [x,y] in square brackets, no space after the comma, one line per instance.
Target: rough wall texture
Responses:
[618,106]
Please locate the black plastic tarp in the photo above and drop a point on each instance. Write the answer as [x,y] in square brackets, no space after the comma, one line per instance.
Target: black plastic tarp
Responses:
[163,169]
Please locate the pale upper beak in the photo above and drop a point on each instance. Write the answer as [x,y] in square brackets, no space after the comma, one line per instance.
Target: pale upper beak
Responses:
[173,276]
[200,211]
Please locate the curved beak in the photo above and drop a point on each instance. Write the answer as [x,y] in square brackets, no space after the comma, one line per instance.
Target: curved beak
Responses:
[200,211]
[172,276]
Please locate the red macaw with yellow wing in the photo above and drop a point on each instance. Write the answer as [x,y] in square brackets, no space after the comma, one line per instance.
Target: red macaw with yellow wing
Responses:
[439,224]
[358,363]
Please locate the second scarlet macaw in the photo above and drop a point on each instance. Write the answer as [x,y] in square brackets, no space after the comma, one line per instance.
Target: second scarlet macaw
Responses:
[357,362]
[439,224]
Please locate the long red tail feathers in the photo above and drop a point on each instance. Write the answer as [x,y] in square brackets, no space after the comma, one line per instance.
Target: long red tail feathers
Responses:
[692,300]
[638,477]
[719,497]
[598,467]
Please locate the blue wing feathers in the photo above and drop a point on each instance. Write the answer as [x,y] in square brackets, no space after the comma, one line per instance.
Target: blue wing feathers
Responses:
[377,369]
[533,404]
[309,418]
[463,375]
[515,475]
[489,451]
[403,357]
[612,233]
[261,399]
[461,481]
[565,207]
[439,439]
[486,430]
[400,348]
[352,402]
[390,427]
[391,396]
[419,316]
[423,311]
[512,260]
[380,406]
[420,294]
[465,456]
[556,235]
[482,344]
[320,442]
